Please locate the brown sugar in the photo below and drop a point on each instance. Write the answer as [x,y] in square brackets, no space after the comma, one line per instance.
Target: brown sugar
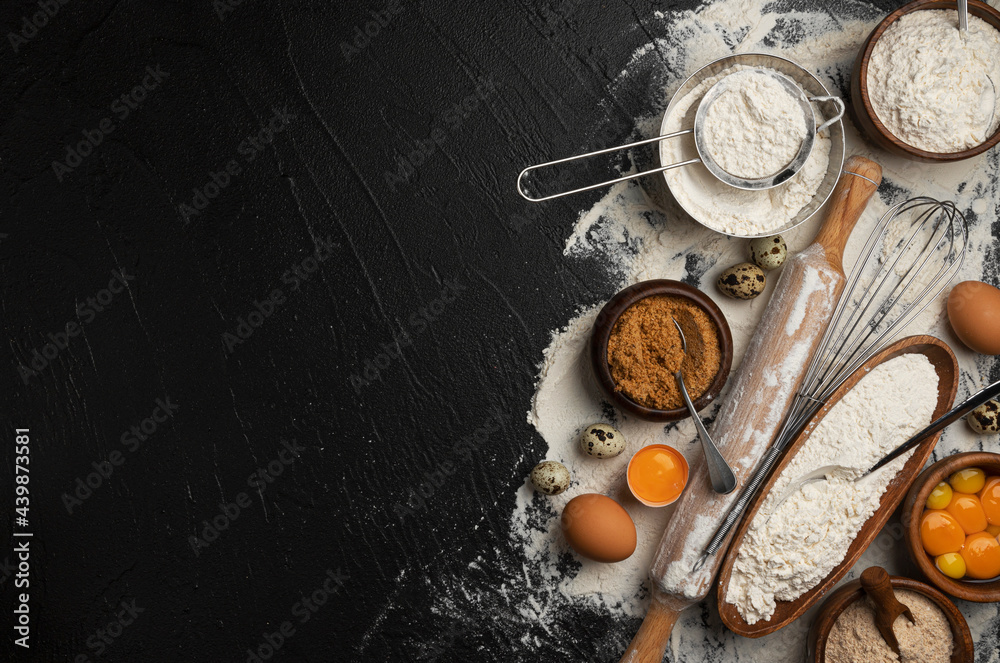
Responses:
[644,351]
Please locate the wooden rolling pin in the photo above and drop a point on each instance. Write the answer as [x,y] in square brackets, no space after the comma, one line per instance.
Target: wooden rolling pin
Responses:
[751,413]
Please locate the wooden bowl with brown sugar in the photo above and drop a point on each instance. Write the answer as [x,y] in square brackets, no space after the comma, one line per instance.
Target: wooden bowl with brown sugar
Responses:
[862,111]
[913,509]
[840,600]
[612,312]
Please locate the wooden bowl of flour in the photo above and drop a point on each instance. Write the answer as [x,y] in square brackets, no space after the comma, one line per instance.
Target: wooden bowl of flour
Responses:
[862,111]
[946,366]
[840,600]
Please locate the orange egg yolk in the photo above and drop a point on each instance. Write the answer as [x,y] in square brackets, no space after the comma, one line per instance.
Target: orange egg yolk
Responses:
[989,496]
[982,556]
[940,533]
[657,474]
[968,511]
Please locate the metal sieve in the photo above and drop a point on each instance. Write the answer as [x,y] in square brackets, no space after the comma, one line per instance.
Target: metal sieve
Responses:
[705,156]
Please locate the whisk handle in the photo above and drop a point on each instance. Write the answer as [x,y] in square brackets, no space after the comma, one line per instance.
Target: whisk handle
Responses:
[847,203]
[749,491]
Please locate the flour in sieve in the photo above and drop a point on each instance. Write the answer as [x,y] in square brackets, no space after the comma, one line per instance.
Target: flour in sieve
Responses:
[633,239]
[721,206]
[755,127]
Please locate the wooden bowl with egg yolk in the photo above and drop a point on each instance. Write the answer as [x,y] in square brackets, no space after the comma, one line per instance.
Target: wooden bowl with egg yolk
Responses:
[913,509]
[613,310]
[862,111]
[964,651]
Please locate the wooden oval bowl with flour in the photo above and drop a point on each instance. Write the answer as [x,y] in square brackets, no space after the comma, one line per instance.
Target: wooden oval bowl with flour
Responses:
[946,366]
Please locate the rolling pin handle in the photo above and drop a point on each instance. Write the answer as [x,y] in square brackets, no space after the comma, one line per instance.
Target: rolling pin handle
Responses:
[848,201]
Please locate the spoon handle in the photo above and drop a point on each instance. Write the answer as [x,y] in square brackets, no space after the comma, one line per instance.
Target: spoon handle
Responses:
[963,15]
[959,411]
[723,479]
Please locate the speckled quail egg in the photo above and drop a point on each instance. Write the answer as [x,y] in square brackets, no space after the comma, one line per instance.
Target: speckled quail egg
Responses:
[602,441]
[768,252]
[985,419]
[550,477]
[742,281]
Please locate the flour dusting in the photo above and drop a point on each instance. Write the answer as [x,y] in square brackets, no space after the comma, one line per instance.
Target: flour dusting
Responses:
[635,233]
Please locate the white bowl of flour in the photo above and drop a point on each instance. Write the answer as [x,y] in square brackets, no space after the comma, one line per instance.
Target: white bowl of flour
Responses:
[740,212]
[925,90]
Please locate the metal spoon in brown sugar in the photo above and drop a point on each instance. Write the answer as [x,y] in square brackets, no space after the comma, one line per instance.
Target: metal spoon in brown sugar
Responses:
[877,586]
[723,479]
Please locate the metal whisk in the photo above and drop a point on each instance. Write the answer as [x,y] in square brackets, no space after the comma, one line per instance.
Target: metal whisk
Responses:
[914,251]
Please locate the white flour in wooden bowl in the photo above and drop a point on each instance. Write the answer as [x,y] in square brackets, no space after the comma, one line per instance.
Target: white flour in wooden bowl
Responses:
[930,85]
[531,589]
[723,207]
[788,550]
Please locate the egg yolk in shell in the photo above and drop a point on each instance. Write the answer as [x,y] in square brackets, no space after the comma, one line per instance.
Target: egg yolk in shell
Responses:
[657,474]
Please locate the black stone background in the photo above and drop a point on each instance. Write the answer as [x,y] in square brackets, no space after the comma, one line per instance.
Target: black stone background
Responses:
[535,80]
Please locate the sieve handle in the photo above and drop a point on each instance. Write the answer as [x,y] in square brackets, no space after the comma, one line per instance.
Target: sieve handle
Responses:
[526,196]
[838,102]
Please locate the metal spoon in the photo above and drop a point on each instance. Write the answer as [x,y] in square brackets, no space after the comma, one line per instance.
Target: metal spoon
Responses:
[721,475]
[963,26]
[950,417]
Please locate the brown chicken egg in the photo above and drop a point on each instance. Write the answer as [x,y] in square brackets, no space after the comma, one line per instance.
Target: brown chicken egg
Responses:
[598,528]
[974,313]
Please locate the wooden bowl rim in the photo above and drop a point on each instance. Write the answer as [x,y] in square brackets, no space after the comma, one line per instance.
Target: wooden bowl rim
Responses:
[838,602]
[913,507]
[946,397]
[613,310]
[976,8]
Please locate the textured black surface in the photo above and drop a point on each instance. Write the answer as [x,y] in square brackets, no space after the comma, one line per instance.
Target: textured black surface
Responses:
[400,361]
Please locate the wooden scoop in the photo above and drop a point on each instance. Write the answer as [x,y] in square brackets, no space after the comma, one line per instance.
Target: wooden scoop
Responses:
[875,581]
[749,416]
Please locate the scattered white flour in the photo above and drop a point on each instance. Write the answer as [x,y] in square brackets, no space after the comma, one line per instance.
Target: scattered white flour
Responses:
[930,85]
[634,234]
[721,206]
[755,127]
[788,550]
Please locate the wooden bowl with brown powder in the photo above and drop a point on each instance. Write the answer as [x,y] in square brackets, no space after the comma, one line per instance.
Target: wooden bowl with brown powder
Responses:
[819,640]
[635,349]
